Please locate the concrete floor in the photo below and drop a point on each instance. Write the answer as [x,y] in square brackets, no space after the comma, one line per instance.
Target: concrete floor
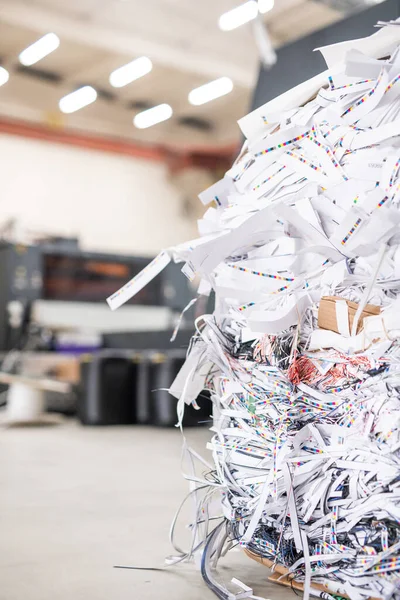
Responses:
[75,501]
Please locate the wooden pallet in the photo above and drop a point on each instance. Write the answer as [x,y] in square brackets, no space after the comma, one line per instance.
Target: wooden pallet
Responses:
[281,576]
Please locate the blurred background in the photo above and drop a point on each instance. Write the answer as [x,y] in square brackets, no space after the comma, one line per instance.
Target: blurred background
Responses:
[114,115]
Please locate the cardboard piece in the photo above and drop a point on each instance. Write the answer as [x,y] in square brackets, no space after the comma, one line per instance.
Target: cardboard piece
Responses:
[327,314]
[281,575]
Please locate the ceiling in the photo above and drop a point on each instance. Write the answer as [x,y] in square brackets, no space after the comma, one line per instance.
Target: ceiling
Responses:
[182,39]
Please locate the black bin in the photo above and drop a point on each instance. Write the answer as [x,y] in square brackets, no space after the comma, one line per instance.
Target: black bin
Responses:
[107,391]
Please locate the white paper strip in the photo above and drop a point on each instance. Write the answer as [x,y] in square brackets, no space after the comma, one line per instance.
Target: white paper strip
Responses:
[139,281]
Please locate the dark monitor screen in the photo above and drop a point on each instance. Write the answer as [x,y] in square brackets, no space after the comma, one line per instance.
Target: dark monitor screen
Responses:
[87,278]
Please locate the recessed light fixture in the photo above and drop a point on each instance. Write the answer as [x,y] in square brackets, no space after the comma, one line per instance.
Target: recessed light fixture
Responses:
[238,16]
[39,49]
[210,91]
[78,99]
[4,76]
[152,116]
[265,6]
[130,72]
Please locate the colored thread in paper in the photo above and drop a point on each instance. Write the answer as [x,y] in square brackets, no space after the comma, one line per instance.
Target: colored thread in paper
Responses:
[268,178]
[304,161]
[241,308]
[243,169]
[392,83]
[349,85]
[352,230]
[283,144]
[364,98]
[394,172]
[325,135]
[382,202]
[329,153]
[282,289]
[260,273]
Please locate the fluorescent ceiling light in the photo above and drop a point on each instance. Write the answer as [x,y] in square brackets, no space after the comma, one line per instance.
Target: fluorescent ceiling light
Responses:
[78,99]
[35,52]
[152,116]
[133,70]
[210,91]
[238,16]
[265,6]
[4,76]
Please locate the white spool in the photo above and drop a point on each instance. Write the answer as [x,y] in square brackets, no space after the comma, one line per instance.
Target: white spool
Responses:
[24,403]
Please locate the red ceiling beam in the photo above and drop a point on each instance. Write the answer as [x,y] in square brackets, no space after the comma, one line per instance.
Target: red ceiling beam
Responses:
[210,158]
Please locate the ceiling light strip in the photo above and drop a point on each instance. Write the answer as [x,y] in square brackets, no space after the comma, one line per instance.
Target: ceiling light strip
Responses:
[78,99]
[152,116]
[38,50]
[238,16]
[4,76]
[130,72]
[211,91]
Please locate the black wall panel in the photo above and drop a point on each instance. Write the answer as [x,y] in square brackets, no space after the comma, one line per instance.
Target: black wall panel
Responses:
[297,62]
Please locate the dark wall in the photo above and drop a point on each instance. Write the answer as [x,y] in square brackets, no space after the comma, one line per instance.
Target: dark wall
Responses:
[297,62]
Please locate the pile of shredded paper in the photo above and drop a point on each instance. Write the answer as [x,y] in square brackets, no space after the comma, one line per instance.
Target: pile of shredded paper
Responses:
[301,244]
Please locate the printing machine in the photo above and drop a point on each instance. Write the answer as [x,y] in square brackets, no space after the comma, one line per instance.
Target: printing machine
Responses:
[60,287]
[62,290]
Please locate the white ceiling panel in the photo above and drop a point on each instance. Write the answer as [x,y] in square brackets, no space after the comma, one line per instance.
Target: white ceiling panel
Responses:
[182,39]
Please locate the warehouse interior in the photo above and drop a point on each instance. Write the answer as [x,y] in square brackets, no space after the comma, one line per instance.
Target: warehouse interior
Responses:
[92,188]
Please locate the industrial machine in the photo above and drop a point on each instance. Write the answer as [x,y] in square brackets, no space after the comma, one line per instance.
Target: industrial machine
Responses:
[61,287]
[126,354]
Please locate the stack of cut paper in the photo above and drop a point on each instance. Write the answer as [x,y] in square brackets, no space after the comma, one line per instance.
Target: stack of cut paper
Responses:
[301,244]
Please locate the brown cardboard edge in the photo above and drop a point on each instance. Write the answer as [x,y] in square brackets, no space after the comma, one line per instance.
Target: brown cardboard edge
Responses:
[286,580]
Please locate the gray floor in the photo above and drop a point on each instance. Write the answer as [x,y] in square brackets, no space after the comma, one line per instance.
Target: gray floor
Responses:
[75,501]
